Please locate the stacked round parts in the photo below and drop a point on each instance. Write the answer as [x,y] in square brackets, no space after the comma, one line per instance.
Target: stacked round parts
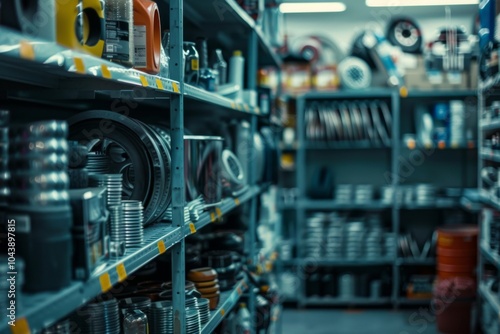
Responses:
[142,304]
[193,325]
[98,318]
[314,241]
[425,194]
[390,250]
[161,317]
[227,264]
[6,284]
[39,199]
[457,252]
[363,194]
[4,157]
[333,242]
[354,234]
[344,193]
[113,184]
[132,232]
[98,163]
[387,194]
[62,327]
[373,240]
[206,282]
[347,286]
[204,310]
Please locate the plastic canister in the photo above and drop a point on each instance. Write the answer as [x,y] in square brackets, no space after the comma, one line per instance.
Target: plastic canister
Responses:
[147,36]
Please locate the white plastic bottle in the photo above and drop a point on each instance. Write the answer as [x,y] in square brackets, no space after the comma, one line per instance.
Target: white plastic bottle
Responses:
[244,321]
[236,72]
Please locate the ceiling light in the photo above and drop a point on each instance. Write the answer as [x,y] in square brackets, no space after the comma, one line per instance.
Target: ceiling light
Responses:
[312,7]
[411,3]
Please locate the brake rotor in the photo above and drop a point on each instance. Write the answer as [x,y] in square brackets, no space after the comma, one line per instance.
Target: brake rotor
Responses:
[147,174]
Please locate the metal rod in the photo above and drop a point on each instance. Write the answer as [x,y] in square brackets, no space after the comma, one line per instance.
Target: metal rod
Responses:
[396,152]
[300,181]
[177,136]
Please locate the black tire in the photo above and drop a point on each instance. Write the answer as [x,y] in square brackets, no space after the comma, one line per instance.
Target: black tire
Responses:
[405,33]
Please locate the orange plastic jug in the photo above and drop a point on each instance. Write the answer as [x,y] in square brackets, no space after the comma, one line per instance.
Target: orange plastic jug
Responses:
[147,36]
[69,16]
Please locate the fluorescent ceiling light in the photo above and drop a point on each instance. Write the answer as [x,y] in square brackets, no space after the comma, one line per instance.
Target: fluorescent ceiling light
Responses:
[312,7]
[412,3]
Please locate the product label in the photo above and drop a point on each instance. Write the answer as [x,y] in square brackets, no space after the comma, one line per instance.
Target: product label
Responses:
[140,42]
[194,65]
[117,40]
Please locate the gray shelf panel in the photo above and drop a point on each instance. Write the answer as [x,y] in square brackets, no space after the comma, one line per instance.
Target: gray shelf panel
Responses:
[440,93]
[209,100]
[227,205]
[418,146]
[490,125]
[489,296]
[228,300]
[346,263]
[229,21]
[438,204]
[318,301]
[415,262]
[334,205]
[362,145]
[46,64]
[348,94]
[493,258]
[43,309]
[414,301]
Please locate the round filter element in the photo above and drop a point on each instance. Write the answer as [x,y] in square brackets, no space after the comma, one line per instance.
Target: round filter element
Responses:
[354,73]
[405,33]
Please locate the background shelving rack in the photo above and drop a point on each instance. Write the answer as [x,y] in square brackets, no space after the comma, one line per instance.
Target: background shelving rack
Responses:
[78,80]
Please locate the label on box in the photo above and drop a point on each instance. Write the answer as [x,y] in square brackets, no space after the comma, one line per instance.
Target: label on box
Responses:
[140,44]
[117,40]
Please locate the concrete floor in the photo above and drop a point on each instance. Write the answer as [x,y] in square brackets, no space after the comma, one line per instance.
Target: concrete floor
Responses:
[320,321]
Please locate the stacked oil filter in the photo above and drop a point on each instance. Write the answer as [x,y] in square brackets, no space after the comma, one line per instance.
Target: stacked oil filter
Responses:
[39,202]
[161,317]
[98,317]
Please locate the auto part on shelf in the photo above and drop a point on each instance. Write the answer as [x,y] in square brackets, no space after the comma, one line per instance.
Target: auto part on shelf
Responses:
[321,185]
[80,25]
[116,244]
[451,50]
[147,36]
[113,184]
[119,40]
[405,33]
[89,230]
[232,176]
[39,203]
[354,73]
[161,317]
[135,322]
[206,79]
[135,150]
[98,317]
[202,158]
[31,17]
[191,63]
[132,232]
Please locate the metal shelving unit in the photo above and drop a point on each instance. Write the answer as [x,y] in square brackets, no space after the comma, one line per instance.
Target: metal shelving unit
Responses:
[36,71]
[313,301]
[393,153]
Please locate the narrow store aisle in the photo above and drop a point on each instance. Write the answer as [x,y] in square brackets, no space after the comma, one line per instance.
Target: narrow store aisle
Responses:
[314,321]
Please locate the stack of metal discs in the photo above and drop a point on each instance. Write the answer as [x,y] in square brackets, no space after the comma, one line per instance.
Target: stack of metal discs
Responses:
[98,318]
[161,320]
[204,310]
[62,327]
[363,194]
[113,184]
[334,231]
[373,242]
[344,193]
[4,156]
[354,234]
[390,250]
[347,286]
[193,325]
[314,239]
[457,123]
[425,194]
[386,194]
[191,302]
[98,163]
[133,216]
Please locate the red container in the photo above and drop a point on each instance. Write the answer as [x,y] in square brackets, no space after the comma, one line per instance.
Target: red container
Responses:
[147,36]
[452,304]
[458,260]
[460,237]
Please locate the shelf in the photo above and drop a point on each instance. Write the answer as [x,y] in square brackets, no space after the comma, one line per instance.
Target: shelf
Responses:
[416,262]
[361,145]
[48,65]
[489,255]
[490,297]
[43,309]
[346,263]
[334,205]
[228,22]
[439,203]
[228,300]
[348,94]
[318,301]
[439,147]
[490,125]
[489,154]
[414,301]
[209,103]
